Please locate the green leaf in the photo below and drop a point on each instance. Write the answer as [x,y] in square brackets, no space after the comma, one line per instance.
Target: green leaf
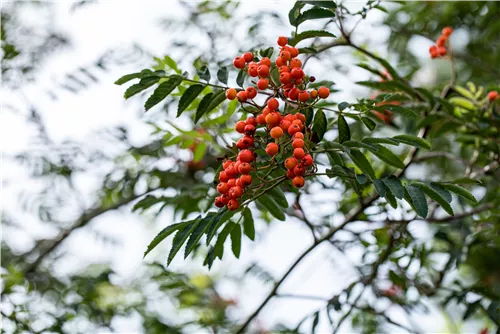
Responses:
[319,124]
[416,198]
[271,206]
[180,238]
[222,75]
[199,151]
[338,171]
[127,78]
[441,191]
[188,97]
[294,13]
[387,141]
[387,156]
[202,106]
[471,309]
[222,216]
[198,232]
[324,3]
[309,113]
[240,79]
[308,50]
[414,141]
[390,86]
[463,103]
[204,73]
[267,52]
[162,91]
[391,199]
[248,224]
[314,14]
[309,34]
[360,160]
[236,240]
[315,322]
[380,187]
[219,244]
[435,196]
[371,70]
[359,144]
[464,92]
[361,178]
[335,158]
[145,83]
[278,196]
[398,110]
[343,105]
[394,184]
[344,132]
[369,123]
[171,63]
[460,191]
[466,180]
[165,233]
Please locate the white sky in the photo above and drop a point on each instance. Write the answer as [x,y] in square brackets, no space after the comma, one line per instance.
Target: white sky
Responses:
[95,28]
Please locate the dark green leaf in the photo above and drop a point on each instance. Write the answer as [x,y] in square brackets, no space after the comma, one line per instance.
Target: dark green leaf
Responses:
[236,240]
[222,216]
[344,132]
[387,156]
[394,184]
[319,124]
[309,113]
[165,233]
[198,232]
[204,73]
[180,238]
[335,158]
[391,199]
[202,106]
[314,14]
[380,187]
[343,106]
[471,309]
[219,244]
[217,98]
[361,178]
[240,79]
[267,52]
[359,144]
[188,97]
[435,196]
[248,224]
[441,191]
[387,141]
[315,322]
[278,196]
[416,198]
[323,3]
[413,140]
[127,78]
[459,191]
[372,70]
[466,180]
[222,75]
[338,171]
[360,160]
[369,123]
[294,13]
[145,83]
[271,206]
[309,34]
[162,91]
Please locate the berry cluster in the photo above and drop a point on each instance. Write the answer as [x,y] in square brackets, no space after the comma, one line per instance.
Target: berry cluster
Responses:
[439,50]
[285,132]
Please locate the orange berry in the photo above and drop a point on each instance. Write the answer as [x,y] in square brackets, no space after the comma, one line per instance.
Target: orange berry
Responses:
[291,162]
[245,168]
[251,120]
[303,96]
[240,127]
[298,135]
[297,73]
[242,96]
[285,77]
[273,118]
[441,41]
[290,117]
[285,124]
[246,156]
[295,63]
[280,62]
[233,204]
[298,143]
[492,96]
[276,132]
[293,129]
[222,188]
[294,51]
[301,117]
[284,68]
[245,180]
[273,104]
[261,119]
[299,170]
[282,41]
[251,92]
[263,71]
[298,182]
[447,31]
[285,55]
[299,153]
[265,61]
[262,83]
[442,51]
[323,92]
[272,149]
[239,62]
[307,160]
[231,94]
[235,192]
[313,94]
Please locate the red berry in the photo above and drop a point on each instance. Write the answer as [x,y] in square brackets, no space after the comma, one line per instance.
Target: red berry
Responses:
[298,135]
[273,104]
[272,149]
[284,68]
[282,41]
[299,170]
[447,31]
[248,56]
[307,160]
[295,63]
[251,120]
[252,71]
[245,168]
[442,51]
[323,92]
[285,124]
[285,55]
[241,145]
[223,177]
[290,174]
[263,71]
[248,140]
[312,79]
[239,62]
[240,127]
[251,92]
[225,198]
[245,180]
[261,119]
[231,183]
[298,182]
[298,143]
[276,132]
[235,192]
[280,62]
[294,94]
[299,153]
[492,96]
[293,129]
[285,77]
[233,204]
[242,96]
[246,156]
[441,41]
[291,162]
[297,73]
[293,51]
[231,94]
[231,172]
[265,61]
[222,188]
[262,83]
[303,96]
[227,163]
[249,129]
[218,202]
